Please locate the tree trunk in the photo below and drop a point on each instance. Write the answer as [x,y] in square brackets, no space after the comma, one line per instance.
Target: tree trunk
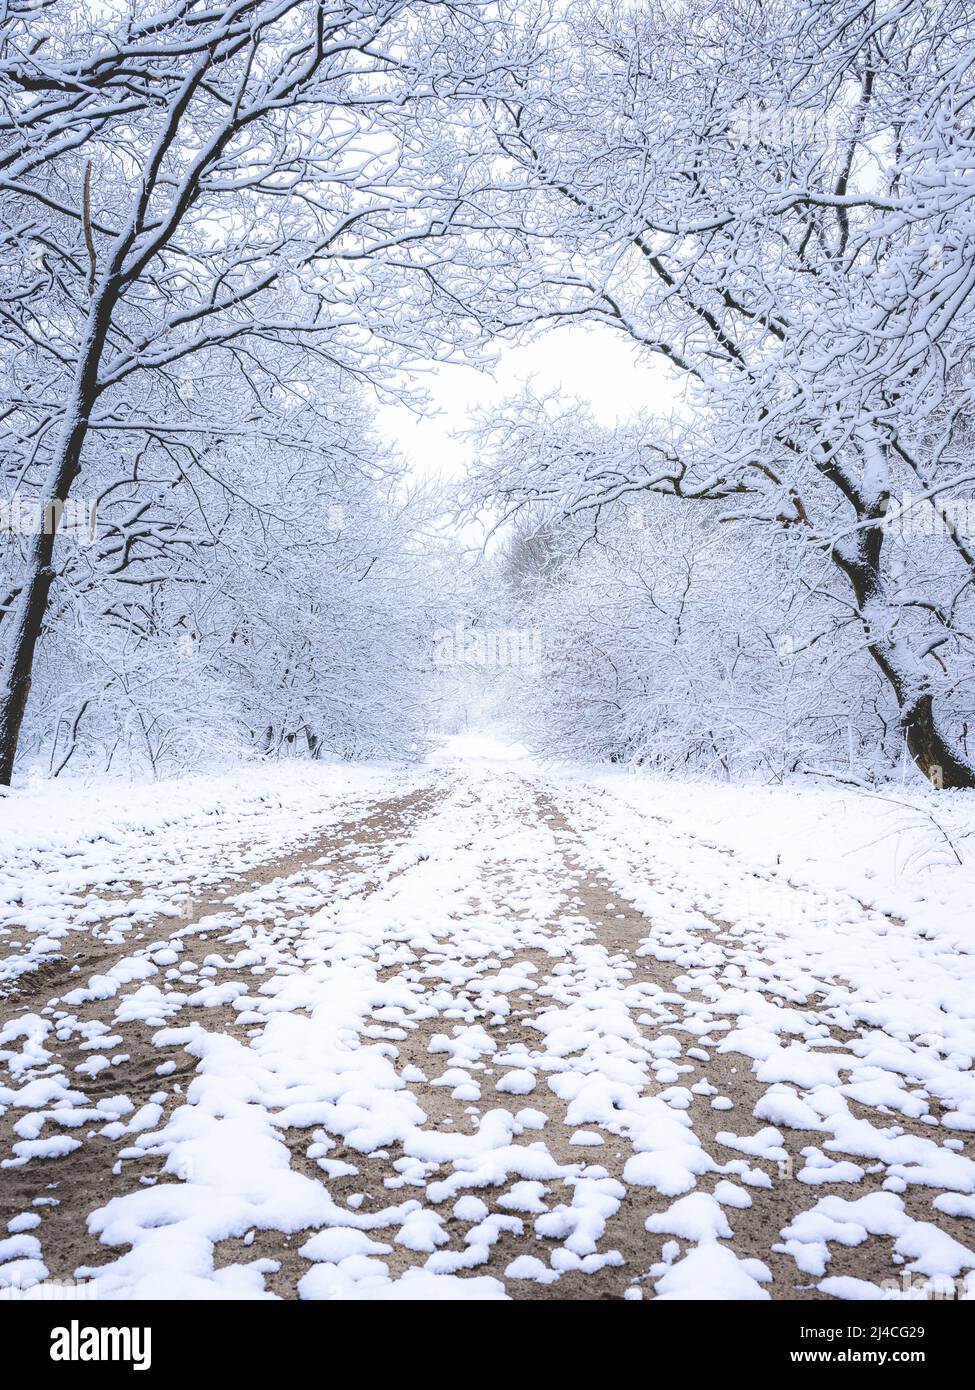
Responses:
[20,655]
[26,621]
[931,750]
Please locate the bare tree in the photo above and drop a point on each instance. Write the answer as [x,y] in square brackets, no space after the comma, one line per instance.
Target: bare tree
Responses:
[779,203]
[201,180]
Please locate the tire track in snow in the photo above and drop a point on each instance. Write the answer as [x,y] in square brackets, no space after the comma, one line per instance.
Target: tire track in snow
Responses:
[352,854]
[860,1090]
[497,1048]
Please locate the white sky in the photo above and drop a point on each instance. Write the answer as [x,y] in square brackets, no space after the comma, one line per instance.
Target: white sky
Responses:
[586,361]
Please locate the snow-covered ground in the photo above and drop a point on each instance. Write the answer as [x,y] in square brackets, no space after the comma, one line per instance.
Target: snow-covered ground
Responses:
[484,1029]
[102,856]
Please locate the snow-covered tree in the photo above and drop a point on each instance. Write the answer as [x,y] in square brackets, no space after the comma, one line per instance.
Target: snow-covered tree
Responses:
[671,641]
[287,607]
[777,201]
[248,183]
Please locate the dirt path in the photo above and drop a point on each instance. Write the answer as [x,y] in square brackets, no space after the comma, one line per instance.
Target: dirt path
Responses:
[441,1043]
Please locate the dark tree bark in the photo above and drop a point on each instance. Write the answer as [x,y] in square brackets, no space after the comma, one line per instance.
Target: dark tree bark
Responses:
[27,619]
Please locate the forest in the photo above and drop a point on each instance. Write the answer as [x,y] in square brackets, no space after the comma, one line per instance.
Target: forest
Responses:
[231,235]
[487,672]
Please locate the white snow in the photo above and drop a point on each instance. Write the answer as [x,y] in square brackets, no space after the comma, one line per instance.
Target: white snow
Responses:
[385,1018]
